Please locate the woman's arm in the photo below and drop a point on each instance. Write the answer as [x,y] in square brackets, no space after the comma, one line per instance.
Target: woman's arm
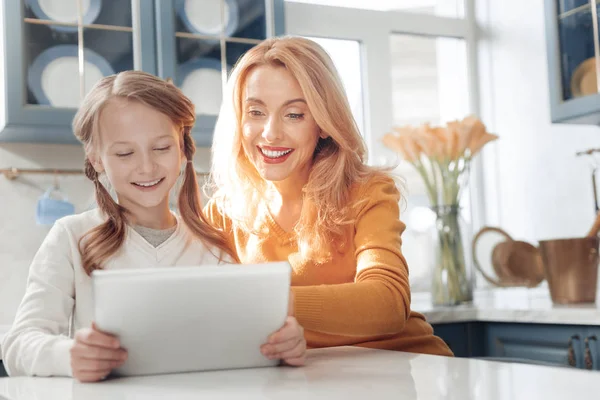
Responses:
[37,343]
[378,302]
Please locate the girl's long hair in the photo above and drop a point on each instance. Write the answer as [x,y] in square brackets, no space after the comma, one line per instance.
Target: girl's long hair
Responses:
[103,241]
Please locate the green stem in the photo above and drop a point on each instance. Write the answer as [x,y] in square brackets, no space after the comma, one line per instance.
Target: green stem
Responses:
[451,261]
[431,188]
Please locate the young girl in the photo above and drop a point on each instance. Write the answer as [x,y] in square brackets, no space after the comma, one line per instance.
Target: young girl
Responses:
[135,129]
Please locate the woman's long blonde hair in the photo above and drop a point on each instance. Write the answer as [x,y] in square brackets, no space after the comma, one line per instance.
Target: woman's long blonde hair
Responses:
[100,243]
[339,161]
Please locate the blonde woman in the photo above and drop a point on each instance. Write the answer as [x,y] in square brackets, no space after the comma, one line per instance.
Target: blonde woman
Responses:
[135,129]
[291,183]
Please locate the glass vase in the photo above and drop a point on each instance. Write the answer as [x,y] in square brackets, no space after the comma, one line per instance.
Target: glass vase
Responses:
[451,283]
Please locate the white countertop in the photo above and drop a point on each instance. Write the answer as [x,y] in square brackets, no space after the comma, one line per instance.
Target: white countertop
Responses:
[336,373]
[518,305]
[510,305]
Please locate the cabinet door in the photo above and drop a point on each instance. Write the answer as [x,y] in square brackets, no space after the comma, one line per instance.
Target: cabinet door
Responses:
[537,342]
[465,339]
[55,52]
[592,348]
[455,336]
[200,42]
[573,53]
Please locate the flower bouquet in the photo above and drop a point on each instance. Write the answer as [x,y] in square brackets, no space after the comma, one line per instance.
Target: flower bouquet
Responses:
[442,157]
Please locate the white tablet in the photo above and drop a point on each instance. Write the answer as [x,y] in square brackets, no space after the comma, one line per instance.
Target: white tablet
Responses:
[180,319]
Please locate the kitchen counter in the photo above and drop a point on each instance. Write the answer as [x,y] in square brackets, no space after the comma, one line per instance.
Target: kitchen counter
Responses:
[510,305]
[335,373]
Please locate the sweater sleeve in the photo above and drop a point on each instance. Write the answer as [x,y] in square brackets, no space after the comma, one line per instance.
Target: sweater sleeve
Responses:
[377,303]
[37,343]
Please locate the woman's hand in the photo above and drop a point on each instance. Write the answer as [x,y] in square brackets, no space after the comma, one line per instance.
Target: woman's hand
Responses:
[288,343]
[95,354]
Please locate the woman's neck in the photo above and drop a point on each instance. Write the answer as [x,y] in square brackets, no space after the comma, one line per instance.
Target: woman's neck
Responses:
[284,200]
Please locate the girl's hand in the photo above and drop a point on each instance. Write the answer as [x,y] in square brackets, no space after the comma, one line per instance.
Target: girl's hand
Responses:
[288,343]
[95,354]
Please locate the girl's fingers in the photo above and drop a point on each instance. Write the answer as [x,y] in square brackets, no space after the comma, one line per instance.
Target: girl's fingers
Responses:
[83,350]
[291,329]
[85,365]
[295,356]
[277,348]
[295,362]
[85,376]
[93,337]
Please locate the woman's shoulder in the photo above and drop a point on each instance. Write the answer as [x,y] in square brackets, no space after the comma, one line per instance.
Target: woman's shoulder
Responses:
[378,185]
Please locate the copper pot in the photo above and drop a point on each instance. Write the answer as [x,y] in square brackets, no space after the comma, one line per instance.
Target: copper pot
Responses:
[571,268]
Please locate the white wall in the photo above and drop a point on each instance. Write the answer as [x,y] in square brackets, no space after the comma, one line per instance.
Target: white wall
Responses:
[535,186]
[20,237]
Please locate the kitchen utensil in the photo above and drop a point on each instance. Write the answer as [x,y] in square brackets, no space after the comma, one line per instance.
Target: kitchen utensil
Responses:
[514,263]
[593,232]
[52,206]
[594,156]
[571,267]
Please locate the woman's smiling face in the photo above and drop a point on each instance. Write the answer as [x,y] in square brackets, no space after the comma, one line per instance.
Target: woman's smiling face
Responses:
[279,132]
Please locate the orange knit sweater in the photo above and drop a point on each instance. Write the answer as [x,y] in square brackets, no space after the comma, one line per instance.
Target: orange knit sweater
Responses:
[361,296]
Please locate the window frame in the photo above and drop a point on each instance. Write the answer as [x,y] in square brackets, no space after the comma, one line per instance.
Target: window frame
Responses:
[372,29]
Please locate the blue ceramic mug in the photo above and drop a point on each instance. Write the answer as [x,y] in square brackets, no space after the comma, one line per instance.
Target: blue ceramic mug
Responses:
[50,209]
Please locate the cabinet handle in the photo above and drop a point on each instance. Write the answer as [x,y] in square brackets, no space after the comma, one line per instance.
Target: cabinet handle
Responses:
[571,351]
[589,362]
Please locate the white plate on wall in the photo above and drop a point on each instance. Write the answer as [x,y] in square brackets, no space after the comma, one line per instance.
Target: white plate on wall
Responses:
[65,11]
[200,79]
[53,77]
[583,80]
[204,17]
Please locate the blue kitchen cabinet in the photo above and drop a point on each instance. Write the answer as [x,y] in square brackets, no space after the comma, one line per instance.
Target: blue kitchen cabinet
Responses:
[554,344]
[198,55]
[43,76]
[546,344]
[572,53]
[465,339]
[189,41]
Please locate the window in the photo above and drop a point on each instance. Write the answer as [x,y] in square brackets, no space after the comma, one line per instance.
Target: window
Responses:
[346,57]
[414,68]
[447,8]
[429,77]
